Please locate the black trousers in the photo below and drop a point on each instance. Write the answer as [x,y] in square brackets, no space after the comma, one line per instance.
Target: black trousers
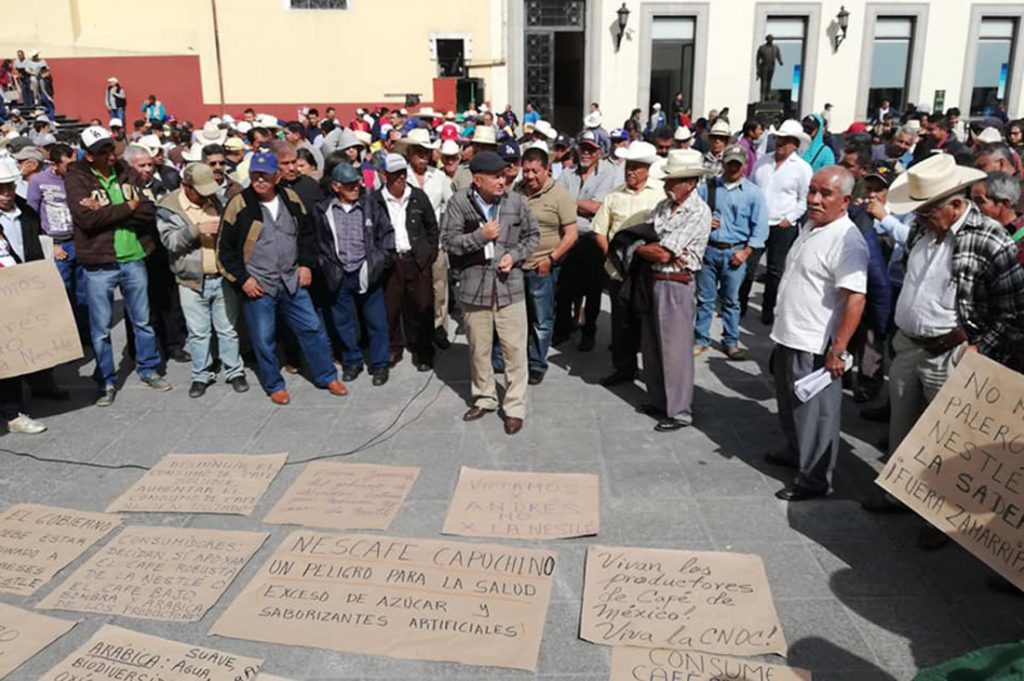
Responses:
[748,281]
[11,403]
[626,328]
[780,240]
[582,277]
[409,295]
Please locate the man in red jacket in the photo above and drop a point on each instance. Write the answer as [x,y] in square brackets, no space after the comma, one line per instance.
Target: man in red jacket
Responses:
[115,229]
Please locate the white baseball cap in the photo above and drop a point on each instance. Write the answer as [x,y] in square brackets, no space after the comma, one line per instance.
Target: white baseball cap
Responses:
[394,163]
[94,136]
[115,123]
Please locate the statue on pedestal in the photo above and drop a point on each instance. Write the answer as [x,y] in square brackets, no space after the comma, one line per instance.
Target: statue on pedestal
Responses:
[767,55]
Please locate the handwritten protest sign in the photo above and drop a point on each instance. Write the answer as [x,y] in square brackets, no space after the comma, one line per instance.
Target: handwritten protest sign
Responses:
[420,599]
[37,542]
[202,483]
[157,573]
[659,664]
[345,496]
[523,505]
[961,467]
[24,633]
[270,677]
[120,654]
[37,328]
[687,600]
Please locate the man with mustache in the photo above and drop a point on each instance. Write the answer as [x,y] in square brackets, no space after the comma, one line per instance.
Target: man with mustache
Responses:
[821,299]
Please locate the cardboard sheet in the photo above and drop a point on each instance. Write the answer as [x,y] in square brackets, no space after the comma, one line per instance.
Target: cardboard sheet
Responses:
[960,467]
[37,542]
[413,598]
[523,505]
[115,654]
[37,328]
[24,633]
[202,483]
[344,496]
[158,573]
[659,664]
[685,600]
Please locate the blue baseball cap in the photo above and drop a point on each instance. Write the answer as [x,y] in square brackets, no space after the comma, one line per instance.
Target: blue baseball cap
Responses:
[618,134]
[345,173]
[509,150]
[263,162]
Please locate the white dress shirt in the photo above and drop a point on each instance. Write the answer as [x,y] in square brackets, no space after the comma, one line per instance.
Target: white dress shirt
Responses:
[436,186]
[822,261]
[396,211]
[10,222]
[785,186]
[926,307]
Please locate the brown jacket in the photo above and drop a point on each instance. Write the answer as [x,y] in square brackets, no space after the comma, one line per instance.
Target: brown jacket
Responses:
[94,229]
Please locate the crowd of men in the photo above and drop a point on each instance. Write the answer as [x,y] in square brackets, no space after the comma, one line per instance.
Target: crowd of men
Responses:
[330,245]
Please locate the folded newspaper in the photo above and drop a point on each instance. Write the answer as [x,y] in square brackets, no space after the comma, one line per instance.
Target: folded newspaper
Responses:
[814,382]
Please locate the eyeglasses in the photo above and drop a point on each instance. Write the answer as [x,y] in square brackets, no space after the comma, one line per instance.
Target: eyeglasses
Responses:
[215,164]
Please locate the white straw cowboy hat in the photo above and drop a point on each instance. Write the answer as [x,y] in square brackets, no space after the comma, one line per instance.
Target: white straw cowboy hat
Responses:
[427,112]
[417,137]
[990,135]
[451,148]
[151,143]
[484,135]
[640,152]
[792,128]
[211,133]
[682,134]
[684,163]
[934,178]
[719,129]
[9,171]
[546,129]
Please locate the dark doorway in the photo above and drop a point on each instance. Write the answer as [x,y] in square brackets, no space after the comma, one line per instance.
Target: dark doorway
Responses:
[568,90]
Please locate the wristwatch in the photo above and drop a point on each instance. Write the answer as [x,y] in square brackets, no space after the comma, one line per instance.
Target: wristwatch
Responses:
[841,356]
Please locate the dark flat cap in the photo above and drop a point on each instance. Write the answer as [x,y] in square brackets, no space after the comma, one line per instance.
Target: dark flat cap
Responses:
[487,162]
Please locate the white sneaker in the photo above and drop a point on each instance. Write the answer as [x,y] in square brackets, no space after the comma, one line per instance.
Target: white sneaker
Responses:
[25,424]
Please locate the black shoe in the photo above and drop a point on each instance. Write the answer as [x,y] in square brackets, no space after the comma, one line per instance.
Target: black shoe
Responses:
[864,395]
[798,493]
[617,377]
[536,378]
[351,372]
[197,389]
[380,377]
[587,343]
[239,384]
[179,355]
[878,414]
[441,339]
[51,393]
[667,425]
[425,366]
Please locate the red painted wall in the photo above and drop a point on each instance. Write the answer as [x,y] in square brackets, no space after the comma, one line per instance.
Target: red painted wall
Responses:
[80,82]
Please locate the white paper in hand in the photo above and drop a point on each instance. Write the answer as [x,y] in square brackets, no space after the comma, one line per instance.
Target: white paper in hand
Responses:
[814,382]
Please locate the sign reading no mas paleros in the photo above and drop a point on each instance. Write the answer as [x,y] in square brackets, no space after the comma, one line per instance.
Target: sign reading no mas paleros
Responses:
[961,467]
[37,328]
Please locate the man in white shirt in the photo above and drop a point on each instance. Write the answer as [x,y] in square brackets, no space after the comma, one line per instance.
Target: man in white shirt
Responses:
[408,289]
[784,178]
[821,299]
[422,174]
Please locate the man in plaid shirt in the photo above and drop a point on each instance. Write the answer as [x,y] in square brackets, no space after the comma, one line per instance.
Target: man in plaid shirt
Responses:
[963,291]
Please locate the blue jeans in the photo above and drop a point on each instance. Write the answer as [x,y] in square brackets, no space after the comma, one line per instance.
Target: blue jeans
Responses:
[298,313]
[715,278]
[215,308]
[73,275]
[130,277]
[345,311]
[540,319]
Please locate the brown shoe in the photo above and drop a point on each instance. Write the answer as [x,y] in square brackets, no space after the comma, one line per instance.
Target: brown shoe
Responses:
[474,413]
[337,388]
[734,353]
[513,425]
[291,368]
[699,349]
[280,397]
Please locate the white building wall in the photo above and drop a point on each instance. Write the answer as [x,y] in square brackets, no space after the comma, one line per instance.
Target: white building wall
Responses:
[731,43]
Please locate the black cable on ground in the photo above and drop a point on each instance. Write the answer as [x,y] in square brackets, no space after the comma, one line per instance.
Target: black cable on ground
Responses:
[371,442]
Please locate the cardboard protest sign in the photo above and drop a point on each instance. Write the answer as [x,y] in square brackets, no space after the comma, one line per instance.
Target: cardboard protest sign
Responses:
[344,496]
[116,653]
[37,328]
[659,664]
[686,600]
[37,542]
[270,677]
[960,467]
[523,505]
[24,633]
[157,573]
[419,599]
[202,483]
